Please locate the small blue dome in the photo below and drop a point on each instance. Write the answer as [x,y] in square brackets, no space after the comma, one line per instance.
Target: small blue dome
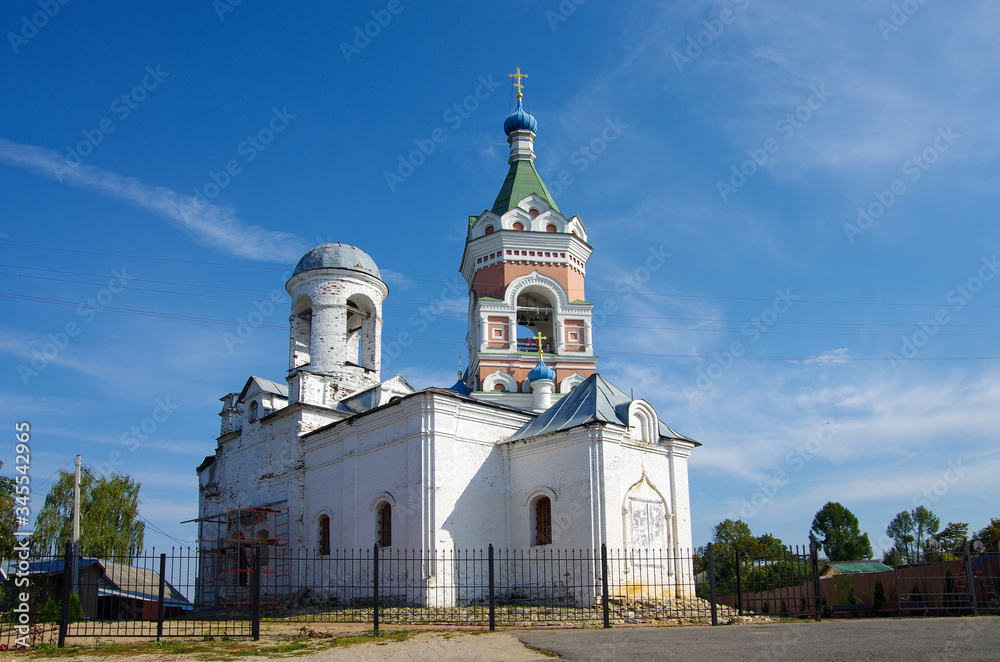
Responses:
[541,371]
[461,388]
[519,119]
[337,256]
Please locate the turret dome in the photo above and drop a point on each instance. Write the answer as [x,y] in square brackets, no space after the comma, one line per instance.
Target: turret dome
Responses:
[518,120]
[541,371]
[337,256]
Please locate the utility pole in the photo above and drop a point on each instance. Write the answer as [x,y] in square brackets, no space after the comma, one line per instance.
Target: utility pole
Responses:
[75,570]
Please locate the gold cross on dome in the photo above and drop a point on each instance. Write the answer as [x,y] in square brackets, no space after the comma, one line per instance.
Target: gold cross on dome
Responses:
[538,340]
[517,83]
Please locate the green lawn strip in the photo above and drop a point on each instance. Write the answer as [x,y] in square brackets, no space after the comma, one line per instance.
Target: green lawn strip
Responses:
[226,649]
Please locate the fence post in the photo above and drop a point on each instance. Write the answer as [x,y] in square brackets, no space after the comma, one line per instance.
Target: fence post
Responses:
[739,583]
[970,580]
[375,588]
[814,559]
[711,582]
[68,562]
[159,601]
[604,585]
[255,593]
[493,616]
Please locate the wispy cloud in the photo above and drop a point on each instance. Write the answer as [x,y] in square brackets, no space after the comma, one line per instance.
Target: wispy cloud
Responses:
[831,356]
[209,224]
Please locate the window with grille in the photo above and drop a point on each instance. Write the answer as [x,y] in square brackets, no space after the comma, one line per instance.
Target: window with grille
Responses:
[543,521]
[324,535]
[385,525]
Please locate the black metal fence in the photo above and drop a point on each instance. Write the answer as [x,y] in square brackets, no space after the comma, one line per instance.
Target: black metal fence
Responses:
[188,593]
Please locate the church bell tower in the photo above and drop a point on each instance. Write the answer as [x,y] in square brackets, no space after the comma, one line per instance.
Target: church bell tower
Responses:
[525,263]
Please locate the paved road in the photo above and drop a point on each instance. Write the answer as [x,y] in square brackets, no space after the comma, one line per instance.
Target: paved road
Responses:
[889,640]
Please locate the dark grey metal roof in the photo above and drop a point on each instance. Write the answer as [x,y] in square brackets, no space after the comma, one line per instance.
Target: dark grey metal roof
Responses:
[265,385]
[595,400]
[337,256]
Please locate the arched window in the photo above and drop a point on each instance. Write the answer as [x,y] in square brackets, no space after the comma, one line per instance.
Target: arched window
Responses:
[384,525]
[535,315]
[533,212]
[499,387]
[551,228]
[252,413]
[301,332]
[324,535]
[542,517]
[518,225]
[489,229]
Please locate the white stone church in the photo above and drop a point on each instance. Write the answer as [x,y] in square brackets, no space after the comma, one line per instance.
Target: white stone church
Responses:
[532,448]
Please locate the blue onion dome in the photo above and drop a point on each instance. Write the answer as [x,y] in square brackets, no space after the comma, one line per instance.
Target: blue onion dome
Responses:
[518,120]
[337,256]
[541,371]
[461,388]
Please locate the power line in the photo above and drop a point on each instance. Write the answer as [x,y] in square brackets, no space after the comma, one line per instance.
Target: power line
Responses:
[430,280]
[461,317]
[769,332]
[237,323]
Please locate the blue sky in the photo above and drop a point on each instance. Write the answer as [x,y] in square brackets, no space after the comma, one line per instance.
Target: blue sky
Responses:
[793,208]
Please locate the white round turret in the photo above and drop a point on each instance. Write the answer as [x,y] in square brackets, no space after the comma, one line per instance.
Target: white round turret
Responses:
[335,346]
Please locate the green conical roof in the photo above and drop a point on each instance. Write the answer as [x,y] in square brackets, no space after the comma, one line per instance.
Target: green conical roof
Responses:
[522,180]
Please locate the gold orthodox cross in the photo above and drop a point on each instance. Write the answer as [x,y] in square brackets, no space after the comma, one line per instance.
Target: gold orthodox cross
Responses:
[518,76]
[538,339]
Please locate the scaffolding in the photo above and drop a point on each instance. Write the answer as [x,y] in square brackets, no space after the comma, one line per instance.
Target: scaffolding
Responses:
[226,550]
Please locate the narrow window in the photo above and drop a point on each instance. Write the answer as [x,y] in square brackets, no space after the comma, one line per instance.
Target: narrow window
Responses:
[384,525]
[489,229]
[543,521]
[324,535]
[518,226]
[252,416]
[550,228]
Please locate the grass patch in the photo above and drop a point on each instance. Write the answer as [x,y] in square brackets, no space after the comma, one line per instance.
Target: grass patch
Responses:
[541,651]
[309,641]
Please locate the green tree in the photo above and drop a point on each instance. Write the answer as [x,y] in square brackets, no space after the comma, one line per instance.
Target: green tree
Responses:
[990,533]
[109,516]
[878,597]
[8,525]
[900,529]
[927,524]
[836,528]
[911,531]
[952,540]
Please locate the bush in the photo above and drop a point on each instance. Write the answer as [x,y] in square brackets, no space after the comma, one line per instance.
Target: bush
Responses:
[878,598]
[51,611]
